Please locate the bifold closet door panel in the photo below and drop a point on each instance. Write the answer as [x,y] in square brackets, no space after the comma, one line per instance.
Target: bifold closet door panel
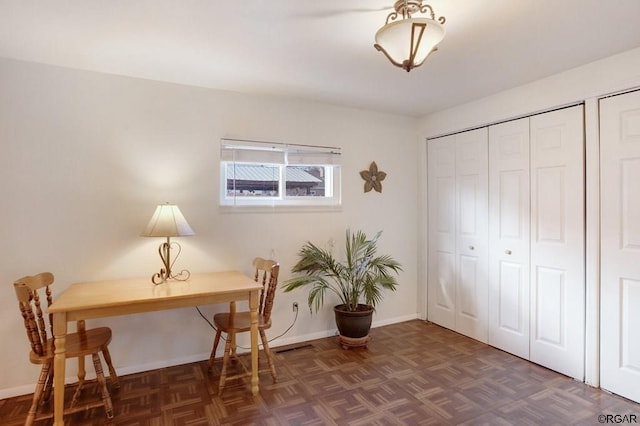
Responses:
[557,305]
[509,236]
[620,240]
[441,210]
[458,232]
[472,234]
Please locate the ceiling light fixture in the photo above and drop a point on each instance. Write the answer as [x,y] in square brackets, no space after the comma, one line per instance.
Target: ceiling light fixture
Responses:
[407,41]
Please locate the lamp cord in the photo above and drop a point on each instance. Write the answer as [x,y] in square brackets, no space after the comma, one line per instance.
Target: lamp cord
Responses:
[259,344]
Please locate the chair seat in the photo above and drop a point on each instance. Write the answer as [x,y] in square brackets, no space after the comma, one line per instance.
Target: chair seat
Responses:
[241,322]
[76,345]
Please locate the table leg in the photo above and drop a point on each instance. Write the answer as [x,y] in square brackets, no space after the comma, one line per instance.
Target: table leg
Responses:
[80,326]
[60,334]
[253,307]
[232,313]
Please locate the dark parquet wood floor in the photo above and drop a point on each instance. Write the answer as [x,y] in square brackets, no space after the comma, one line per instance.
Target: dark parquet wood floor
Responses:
[413,373]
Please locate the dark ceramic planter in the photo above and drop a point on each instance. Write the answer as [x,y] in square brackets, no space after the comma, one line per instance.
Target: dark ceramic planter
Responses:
[356,324]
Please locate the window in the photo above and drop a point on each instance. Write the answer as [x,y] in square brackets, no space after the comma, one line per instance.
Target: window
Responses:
[272,174]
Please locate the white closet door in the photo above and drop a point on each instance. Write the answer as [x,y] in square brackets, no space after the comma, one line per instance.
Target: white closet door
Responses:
[620,239]
[472,234]
[557,241]
[442,233]
[509,236]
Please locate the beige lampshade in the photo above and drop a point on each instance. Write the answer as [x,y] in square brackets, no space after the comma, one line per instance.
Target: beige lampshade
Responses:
[167,221]
[401,40]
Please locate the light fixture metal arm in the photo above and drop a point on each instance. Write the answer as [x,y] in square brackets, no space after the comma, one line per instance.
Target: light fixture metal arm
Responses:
[406,8]
[381,49]
[427,7]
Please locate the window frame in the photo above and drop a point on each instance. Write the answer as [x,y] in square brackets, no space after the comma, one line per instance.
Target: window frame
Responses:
[272,154]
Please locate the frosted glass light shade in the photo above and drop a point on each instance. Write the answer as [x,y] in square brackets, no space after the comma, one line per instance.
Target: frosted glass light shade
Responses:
[402,42]
[167,221]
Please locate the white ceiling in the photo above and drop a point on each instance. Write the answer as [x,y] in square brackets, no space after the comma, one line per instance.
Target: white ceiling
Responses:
[320,50]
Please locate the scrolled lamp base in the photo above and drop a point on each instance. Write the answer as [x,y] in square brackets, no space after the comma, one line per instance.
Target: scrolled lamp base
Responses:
[165,273]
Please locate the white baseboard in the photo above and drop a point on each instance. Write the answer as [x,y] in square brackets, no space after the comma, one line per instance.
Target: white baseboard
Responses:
[395,320]
[17,391]
[334,332]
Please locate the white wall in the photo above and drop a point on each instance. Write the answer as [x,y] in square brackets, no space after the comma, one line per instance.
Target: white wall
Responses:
[619,72]
[86,157]
[584,84]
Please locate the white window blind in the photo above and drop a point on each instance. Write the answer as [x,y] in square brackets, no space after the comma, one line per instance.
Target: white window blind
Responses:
[277,153]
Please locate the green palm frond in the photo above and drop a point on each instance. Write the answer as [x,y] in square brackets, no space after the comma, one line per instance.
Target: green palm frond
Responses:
[361,277]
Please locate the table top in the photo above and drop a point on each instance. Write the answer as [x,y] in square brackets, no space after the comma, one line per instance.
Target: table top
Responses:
[127,293]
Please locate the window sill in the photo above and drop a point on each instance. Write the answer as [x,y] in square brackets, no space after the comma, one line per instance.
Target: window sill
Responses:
[279,209]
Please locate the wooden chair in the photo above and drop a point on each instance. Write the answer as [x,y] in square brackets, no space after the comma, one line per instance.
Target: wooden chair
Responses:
[78,345]
[231,323]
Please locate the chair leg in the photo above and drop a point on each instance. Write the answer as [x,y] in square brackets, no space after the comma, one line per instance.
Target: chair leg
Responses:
[79,387]
[37,394]
[48,386]
[216,341]
[112,371]
[267,352]
[106,398]
[225,361]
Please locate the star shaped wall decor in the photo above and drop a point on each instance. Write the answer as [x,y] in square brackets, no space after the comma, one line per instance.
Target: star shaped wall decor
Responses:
[373,178]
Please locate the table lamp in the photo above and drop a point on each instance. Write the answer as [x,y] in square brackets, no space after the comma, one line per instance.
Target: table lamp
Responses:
[168,221]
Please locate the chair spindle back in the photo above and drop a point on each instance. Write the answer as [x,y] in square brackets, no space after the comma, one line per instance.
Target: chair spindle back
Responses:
[32,311]
[267,274]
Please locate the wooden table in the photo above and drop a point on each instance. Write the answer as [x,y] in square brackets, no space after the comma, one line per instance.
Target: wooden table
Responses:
[127,296]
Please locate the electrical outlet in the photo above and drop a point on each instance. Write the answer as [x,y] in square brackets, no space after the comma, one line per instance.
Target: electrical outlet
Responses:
[295,306]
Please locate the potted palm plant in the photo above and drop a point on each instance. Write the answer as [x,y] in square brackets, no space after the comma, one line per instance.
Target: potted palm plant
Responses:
[358,282]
